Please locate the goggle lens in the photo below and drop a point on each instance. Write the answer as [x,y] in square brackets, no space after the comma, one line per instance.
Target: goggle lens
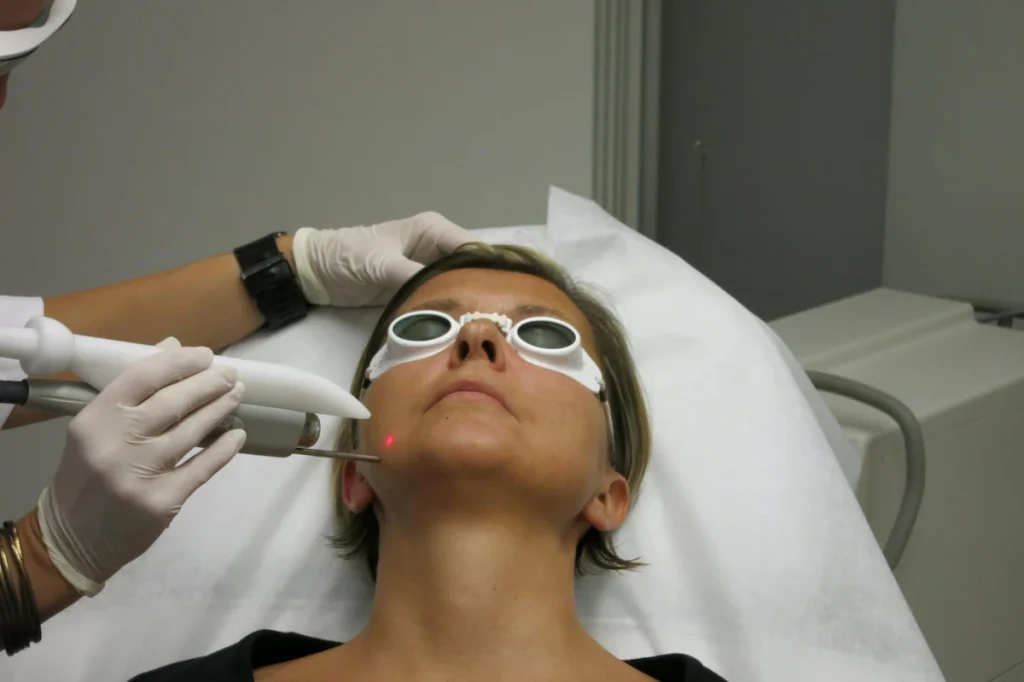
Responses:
[546,334]
[422,327]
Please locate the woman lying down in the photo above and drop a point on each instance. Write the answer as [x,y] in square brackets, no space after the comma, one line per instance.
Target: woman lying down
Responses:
[513,435]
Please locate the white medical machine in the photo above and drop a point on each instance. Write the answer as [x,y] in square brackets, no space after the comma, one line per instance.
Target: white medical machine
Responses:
[963,569]
[760,561]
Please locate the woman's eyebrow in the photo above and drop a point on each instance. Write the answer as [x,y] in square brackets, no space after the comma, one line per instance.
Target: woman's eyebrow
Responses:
[453,306]
[444,305]
[531,310]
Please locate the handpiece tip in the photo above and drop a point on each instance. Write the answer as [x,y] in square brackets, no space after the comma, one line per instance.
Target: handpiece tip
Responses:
[334,454]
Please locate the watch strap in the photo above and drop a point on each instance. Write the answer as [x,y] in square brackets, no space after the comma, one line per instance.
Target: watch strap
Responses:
[271,282]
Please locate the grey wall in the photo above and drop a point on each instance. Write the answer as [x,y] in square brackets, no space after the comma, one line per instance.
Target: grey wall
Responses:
[955,219]
[791,100]
[149,134]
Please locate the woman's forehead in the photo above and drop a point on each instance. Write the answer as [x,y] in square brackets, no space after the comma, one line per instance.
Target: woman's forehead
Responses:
[514,294]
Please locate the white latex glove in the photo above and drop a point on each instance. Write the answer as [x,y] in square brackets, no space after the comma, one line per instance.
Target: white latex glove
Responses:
[119,485]
[364,266]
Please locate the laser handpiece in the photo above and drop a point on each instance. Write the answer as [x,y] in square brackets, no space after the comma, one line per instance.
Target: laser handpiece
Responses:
[45,347]
[270,431]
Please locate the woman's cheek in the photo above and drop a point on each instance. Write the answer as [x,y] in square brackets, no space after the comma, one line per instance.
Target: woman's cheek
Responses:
[382,431]
[393,414]
[571,420]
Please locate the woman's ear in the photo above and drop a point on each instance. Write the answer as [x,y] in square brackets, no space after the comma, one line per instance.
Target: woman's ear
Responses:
[355,489]
[607,509]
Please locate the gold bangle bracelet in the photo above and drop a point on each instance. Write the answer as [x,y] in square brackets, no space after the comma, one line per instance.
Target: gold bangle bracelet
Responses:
[19,616]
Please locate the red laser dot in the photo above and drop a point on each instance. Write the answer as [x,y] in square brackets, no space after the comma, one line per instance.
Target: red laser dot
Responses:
[389,441]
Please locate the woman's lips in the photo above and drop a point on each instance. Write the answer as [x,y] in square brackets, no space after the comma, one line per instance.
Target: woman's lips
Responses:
[471,389]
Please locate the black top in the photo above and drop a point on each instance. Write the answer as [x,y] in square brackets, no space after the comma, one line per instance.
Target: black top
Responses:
[236,663]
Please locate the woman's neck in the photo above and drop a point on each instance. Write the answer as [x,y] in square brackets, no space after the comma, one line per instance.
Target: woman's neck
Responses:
[474,598]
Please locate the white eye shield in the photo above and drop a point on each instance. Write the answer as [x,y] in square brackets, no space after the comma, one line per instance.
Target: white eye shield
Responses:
[542,341]
[15,46]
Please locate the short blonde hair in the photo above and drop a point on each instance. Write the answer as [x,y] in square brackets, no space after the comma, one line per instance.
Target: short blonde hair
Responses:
[359,533]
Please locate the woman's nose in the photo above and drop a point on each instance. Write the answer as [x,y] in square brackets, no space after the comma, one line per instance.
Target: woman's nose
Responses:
[480,340]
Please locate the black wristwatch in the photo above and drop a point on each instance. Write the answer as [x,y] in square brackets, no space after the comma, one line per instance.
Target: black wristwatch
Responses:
[271,282]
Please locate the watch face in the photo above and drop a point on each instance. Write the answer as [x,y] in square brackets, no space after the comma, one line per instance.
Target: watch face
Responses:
[279,271]
[257,255]
[268,273]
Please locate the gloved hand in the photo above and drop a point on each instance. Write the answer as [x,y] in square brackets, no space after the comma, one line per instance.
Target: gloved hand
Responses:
[364,266]
[118,485]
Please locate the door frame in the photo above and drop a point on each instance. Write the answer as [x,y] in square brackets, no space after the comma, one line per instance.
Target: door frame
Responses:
[627,69]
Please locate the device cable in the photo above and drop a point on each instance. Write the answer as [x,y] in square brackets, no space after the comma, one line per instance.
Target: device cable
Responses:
[913,442]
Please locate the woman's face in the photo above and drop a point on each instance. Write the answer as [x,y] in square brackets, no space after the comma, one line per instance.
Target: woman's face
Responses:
[515,434]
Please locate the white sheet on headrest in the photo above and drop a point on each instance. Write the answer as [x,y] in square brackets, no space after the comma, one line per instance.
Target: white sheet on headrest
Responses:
[760,561]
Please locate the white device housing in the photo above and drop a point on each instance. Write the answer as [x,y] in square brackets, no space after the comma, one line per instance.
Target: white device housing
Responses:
[963,570]
[45,346]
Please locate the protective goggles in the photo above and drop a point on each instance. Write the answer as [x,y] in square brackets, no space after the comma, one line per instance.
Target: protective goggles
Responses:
[542,341]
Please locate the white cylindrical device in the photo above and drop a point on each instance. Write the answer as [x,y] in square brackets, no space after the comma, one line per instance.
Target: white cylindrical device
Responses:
[45,346]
